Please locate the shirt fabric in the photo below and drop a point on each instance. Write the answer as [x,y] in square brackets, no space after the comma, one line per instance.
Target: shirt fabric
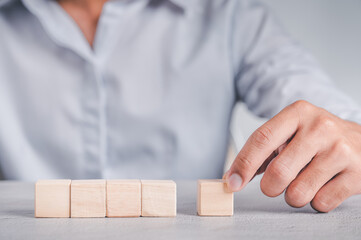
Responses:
[153,98]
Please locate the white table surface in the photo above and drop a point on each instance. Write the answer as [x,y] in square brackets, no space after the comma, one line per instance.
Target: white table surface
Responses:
[255,217]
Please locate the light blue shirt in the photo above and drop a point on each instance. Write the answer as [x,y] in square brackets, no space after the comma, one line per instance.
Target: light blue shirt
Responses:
[153,98]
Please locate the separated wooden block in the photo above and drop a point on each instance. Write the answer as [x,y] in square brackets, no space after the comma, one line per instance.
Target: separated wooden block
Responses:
[52,198]
[123,198]
[88,198]
[214,199]
[159,198]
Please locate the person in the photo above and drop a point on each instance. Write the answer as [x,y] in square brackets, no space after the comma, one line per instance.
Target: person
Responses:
[145,89]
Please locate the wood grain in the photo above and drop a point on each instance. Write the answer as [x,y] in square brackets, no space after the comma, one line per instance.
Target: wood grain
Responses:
[88,198]
[52,198]
[123,198]
[214,199]
[159,198]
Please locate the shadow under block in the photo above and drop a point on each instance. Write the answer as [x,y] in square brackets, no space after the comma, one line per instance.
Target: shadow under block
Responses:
[52,198]
[159,198]
[88,198]
[123,198]
[214,198]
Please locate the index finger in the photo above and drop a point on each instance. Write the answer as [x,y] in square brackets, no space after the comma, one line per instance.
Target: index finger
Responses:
[260,146]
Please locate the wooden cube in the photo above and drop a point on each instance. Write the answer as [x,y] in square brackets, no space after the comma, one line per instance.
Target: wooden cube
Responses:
[214,199]
[52,198]
[88,198]
[123,198]
[159,198]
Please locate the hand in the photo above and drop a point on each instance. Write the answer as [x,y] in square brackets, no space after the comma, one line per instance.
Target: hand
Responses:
[306,150]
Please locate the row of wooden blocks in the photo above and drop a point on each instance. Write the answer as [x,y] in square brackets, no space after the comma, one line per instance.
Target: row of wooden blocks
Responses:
[125,198]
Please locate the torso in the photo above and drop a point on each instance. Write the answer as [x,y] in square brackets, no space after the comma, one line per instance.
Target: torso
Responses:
[152,100]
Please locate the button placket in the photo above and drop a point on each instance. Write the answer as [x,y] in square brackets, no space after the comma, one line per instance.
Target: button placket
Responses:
[92,129]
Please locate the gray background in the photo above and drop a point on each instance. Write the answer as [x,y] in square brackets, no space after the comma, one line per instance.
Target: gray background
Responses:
[331,31]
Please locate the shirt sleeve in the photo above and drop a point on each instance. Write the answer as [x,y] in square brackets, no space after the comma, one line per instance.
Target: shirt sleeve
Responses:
[272,71]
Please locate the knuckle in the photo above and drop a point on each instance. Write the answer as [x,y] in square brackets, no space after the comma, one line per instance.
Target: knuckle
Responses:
[243,162]
[302,106]
[295,196]
[324,124]
[261,137]
[342,147]
[311,181]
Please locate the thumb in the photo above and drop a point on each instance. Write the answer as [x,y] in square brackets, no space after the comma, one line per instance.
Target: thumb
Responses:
[234,180]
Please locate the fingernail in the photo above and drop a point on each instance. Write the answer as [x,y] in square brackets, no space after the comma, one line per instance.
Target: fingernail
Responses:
[234,182]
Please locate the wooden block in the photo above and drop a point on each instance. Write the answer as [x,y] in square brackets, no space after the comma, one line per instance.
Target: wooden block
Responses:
[214,198]
[123,198]
[159,198]
[88,198]
[52,198]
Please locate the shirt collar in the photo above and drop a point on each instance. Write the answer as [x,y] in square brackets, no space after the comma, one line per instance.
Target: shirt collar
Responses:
[186,5]
[190,7]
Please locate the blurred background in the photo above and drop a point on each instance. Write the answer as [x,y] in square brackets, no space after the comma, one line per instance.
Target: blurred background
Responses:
[331,31]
